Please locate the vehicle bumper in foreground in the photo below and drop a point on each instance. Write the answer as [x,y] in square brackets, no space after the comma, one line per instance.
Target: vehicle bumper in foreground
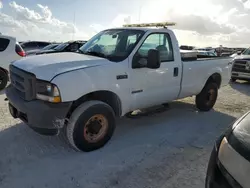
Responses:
[217,175]
[241,76]
[43,117]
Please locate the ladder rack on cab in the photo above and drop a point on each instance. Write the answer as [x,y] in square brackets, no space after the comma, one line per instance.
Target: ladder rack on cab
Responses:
[159,24]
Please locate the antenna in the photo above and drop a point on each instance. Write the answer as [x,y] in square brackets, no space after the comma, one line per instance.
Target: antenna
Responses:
[159,24]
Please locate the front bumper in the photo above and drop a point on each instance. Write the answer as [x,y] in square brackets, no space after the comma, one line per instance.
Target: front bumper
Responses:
[43,117]
[217,175]
[241,76]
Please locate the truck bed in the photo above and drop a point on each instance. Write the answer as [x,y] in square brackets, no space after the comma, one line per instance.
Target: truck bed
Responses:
[196,72]
[203,59]
[192,55]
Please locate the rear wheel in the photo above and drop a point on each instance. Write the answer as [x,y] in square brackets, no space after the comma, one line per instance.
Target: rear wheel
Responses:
[91,126]
[3,79]
[206,99]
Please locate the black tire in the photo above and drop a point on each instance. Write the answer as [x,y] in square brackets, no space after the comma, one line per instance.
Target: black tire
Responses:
[76,130]
[206,99]
[3,79]
[233,79]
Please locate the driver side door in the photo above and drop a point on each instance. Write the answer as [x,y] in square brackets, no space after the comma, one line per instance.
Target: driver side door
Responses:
[150,87]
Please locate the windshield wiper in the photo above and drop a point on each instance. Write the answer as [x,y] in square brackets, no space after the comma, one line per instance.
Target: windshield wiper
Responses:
[98,54]
[93,53]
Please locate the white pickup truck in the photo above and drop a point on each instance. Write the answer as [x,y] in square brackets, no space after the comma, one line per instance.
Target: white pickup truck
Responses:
[241,66]
[117,71]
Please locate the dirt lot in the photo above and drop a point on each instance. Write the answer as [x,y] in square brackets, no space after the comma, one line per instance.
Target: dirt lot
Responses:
[169,149]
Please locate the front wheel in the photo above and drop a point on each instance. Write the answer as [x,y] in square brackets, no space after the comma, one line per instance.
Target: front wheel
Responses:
[206,99]
[3,79]
[91,126]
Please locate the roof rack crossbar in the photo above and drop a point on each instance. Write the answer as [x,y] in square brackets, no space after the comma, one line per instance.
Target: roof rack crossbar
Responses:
[159,24]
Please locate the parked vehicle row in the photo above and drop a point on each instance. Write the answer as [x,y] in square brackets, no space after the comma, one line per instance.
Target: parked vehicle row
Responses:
[48,47]
[33,45]
[206,54]
[71,46]
[116,72]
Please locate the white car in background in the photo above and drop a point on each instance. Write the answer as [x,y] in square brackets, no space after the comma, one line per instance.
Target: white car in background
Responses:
[10,51]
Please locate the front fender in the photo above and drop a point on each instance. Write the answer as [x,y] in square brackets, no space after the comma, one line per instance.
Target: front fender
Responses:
[75,84]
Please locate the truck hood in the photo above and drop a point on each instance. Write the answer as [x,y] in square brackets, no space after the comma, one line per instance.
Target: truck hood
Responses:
[46,66]
[242,57]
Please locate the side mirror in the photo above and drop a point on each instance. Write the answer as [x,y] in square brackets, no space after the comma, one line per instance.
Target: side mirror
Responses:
[154,61]
[239,52]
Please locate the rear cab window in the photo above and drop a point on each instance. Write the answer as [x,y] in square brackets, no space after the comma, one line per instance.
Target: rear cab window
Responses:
[4,43]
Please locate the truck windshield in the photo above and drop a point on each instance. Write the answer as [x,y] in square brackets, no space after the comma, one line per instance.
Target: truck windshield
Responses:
[113,44]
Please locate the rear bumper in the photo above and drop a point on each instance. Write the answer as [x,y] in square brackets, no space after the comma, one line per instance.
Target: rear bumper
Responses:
[43,117]
[217,175]
[241,75]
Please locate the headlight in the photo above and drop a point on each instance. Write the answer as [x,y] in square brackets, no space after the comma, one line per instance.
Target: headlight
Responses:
[231,62]
[240,119]
[47,91]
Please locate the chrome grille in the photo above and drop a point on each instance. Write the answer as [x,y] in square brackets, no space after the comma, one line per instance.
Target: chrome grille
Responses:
[241,66]
[23,82]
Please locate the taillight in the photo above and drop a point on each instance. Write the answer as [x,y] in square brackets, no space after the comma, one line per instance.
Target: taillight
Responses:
[20,51]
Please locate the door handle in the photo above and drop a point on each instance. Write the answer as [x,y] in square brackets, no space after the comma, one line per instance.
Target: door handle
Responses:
[176,71]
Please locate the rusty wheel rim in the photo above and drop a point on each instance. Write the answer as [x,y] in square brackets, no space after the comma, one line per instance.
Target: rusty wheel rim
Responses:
[211,96]
[95,128]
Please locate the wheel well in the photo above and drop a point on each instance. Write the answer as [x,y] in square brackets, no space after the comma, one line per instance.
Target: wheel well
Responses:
[105,96]
[215,78]
[4,70]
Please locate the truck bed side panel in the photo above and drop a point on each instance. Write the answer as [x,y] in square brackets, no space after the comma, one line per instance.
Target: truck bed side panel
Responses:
[196,73]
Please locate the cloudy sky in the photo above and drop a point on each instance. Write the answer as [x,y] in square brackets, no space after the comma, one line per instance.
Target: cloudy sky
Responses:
[199,22]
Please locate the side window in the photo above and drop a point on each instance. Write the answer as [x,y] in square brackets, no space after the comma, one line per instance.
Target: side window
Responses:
[73,47]
[29,45]
[161,42]
[33,45]
[4,44]
[42,44]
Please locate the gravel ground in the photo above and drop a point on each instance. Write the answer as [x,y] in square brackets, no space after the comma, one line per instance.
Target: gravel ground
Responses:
[168,149]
